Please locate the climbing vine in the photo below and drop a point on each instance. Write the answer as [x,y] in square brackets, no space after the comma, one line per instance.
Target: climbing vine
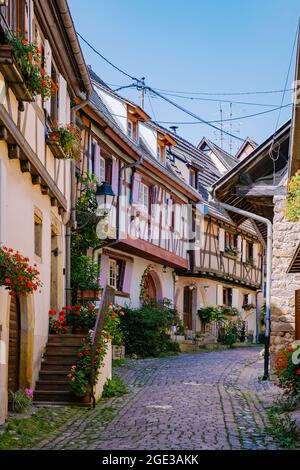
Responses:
[143,292]
[293,198]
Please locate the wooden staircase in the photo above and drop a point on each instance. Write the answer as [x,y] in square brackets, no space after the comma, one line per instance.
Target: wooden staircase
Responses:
[53,384]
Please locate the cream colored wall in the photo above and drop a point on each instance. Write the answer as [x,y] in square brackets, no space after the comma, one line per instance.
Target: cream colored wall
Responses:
[206,294]
[105,372]
[20,199]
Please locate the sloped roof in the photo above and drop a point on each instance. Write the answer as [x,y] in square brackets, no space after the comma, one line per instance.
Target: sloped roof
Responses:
[229,161]
[246,142]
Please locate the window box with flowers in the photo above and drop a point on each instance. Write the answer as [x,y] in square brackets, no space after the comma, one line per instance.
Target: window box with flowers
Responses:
[73,319]
[22,66]
[64,141]
[18,277]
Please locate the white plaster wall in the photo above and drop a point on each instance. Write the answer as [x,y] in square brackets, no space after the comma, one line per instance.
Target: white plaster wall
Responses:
[116,107]
[219,165]
[184,170]
[150,137]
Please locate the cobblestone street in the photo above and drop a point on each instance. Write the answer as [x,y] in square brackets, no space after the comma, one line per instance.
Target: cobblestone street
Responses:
[193,401]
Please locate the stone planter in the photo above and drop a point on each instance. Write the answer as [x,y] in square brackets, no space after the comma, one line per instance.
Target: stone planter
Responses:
[88,294]
[53,143]
[118,352]
[13,75]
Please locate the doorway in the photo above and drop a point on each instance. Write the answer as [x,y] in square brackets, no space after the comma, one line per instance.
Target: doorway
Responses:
[150,288]
[14,345]
[188,302]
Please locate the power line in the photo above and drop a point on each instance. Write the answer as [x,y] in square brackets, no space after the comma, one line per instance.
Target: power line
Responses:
[239,93]
[227,120]
[218,100]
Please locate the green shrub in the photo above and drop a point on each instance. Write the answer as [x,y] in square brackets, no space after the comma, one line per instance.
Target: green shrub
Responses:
[172,346]
[283,429]
[114,387]
[146,329]
[21,400]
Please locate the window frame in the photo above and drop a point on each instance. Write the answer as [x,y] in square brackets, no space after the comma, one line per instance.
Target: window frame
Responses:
[227,296]
[142,194]
[38,235]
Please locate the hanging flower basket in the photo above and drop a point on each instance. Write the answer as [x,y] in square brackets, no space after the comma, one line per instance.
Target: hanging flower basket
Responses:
[64,141]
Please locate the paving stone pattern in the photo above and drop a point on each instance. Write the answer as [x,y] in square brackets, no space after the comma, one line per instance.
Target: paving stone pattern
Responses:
[197,401]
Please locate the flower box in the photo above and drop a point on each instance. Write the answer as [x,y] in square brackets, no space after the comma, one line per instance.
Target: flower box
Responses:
[53,143]
[118,352]
[88,294]
[12,74]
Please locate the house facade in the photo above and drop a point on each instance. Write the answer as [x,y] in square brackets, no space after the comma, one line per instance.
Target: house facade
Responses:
[35,185]
[161,243]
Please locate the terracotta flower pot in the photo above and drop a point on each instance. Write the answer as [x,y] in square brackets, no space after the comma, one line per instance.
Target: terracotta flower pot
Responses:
[86,398]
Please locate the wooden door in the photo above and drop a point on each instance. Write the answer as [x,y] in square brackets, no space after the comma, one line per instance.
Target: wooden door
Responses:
[188,308]
[14,345]
[297,314]
[150,288]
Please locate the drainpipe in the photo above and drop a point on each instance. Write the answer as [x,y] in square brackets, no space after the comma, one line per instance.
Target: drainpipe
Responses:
[72,216]
[268,223]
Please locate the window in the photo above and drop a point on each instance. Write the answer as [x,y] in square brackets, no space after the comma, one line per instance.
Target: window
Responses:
[130,129]
[193,179]
[161,153]
[102,169]
[144,196]
[227,296]
[245,299]
[230,243]
[249,251]
[38,228]
[14,13]
[54,97]
[116,273]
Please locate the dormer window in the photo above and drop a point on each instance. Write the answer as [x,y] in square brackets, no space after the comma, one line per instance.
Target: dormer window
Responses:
[132,129]
[129,128]
[163,141]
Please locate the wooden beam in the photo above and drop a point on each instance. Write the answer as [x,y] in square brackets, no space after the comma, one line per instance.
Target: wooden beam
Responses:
[45,190]
[13,151]
[25,166]
[36,179]
[259,191]
[54,202]
[32,157]
[3,133]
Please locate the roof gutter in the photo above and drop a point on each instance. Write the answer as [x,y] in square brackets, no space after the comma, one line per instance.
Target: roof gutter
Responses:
[268,223]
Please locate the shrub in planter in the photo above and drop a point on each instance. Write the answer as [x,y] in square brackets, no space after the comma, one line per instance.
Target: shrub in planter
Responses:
[287,369]
[84,273]
[146,329]
[114,387]
[68,138]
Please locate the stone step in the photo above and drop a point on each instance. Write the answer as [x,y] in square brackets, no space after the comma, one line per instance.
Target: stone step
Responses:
[54,396]
[57,365]
[57,375]
[51,385]
[68,338]
[61,357]
[53,349]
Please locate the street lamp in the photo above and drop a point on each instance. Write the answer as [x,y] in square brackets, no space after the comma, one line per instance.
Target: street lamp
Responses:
[105,198]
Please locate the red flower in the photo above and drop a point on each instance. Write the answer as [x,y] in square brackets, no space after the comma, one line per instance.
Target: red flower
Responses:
[52,312]
[298,372]
[25,42]
[7,281]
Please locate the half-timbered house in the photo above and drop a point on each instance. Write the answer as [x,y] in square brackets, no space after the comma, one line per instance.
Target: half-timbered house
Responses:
[35,185]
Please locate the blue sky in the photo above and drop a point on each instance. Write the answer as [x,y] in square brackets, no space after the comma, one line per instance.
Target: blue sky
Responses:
[200,46]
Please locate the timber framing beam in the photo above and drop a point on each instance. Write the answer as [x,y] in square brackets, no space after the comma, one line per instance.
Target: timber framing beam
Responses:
[19,148]
[259,191]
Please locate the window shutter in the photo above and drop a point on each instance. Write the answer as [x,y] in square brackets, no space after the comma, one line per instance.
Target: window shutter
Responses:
[219,294]
[221,239]
[96,159]
[169,212]
[108,170]
[127,277]
[135,189]
[62,101]
[104,269]
[115,175]
[235,298]
[30,20]
[255,253]
[244,251]
[48,69]
[250,299]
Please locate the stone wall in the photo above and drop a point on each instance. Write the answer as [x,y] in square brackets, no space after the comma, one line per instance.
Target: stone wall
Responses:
[286,239]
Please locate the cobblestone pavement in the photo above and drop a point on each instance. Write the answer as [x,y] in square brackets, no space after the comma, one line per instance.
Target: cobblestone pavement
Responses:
[194,401]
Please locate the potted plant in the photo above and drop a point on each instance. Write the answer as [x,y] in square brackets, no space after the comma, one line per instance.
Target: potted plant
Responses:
[64,141]
[84,278]
[22,65]
[21,400]
[16,274]
[248,307]
[249,262]
[231,250]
